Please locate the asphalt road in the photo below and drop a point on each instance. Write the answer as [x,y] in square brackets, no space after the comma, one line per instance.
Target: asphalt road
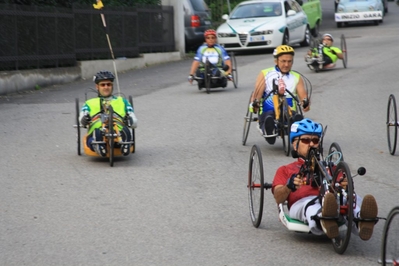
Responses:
[181,199]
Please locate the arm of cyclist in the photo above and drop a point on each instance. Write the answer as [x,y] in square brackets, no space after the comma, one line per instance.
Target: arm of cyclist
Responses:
[337,52]
[228,72]
[84,116]
[193,69]
[303,95]
[259,90]
[284,184]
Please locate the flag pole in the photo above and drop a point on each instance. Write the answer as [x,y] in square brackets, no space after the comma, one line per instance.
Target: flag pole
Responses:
[99,5]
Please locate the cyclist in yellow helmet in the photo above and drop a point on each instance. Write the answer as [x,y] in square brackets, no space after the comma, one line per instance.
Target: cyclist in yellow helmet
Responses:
[287,80]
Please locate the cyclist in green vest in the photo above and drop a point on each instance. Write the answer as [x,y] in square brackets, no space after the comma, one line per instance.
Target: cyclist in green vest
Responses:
[90,115]
[330,54]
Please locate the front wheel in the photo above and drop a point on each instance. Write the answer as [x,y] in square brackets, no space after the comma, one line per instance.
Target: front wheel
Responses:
[390,239]
[255,186]
[346,195]
[77,125]
[207,77]
[234,72]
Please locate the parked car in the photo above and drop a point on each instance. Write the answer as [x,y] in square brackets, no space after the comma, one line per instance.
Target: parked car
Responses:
[314,12]
[197,20]
[264,24]
[359,11]
[384,2]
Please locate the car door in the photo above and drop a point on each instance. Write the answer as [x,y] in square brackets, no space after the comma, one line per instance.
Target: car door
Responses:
[294,22]
[312,9]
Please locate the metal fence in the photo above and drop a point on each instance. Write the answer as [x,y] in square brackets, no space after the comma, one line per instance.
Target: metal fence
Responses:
[34,37]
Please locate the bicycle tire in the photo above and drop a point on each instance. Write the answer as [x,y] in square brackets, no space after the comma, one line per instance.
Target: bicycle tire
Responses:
[77,109]
[234,71]
[255,186]
[392,124]
[390,240]
[344,50]
[111,139]
[341,242]
[335,154]
[133,129]
[284,127]
[247,123]
[207,77]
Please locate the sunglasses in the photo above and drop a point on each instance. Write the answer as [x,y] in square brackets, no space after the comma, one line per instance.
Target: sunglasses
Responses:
[308,140]
[210,38]
[327,39]
[105,84]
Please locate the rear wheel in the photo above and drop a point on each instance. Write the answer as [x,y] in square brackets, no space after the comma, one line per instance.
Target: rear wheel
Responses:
[344,51]
[234,71]
[284,127]
[133,129]
[390,240]
[247,124]
[77,124]
[111,132]
[207,77]
[392,124]
[346,196]
[255,186]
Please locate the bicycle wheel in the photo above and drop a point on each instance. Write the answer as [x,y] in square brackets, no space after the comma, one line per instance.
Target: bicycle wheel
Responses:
[392,124]
[346,196]
[207,77]
[255,186]
[335,154]
[133,129]
[247,123]
[234,71]
[390,240]
[111,132]
[344,51]
[284,127]
[77,125]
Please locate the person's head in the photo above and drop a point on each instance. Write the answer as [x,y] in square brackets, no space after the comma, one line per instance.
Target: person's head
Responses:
[327,40]
[104,80]
[210,37]
[305,134]
[284,58]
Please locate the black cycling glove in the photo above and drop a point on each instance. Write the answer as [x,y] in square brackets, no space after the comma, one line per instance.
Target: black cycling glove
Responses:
[290,183]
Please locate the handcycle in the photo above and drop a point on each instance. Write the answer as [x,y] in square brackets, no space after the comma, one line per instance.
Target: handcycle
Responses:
[331,174]
[390,239]
[284,113]
[209,81]
[315,62]
[392,124]
[111,133]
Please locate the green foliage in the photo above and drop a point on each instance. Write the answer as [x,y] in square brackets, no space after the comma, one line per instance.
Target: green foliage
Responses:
[69,3]
[220,7]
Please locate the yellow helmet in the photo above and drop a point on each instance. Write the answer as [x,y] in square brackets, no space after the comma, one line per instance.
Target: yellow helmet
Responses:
[283,49]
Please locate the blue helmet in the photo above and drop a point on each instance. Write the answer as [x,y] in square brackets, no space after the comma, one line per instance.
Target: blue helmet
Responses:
[305,127]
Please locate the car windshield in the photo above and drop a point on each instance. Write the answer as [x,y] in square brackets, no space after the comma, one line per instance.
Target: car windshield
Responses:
[257,10]
[358,1]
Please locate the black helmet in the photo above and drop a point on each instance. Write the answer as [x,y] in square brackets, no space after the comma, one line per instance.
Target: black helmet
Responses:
[103,75]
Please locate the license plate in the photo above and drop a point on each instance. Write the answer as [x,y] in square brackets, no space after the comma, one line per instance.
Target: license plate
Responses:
[257,38]
[207,22]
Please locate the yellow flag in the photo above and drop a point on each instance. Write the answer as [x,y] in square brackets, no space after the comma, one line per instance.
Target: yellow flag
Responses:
[99,5]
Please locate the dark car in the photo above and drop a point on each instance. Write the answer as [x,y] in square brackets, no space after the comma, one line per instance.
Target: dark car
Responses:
[197,20]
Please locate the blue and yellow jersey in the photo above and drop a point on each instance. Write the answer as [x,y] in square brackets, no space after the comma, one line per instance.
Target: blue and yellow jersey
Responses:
[216,55]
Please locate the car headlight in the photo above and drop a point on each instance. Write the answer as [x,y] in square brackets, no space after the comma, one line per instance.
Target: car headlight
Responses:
[226,35]
[265,32]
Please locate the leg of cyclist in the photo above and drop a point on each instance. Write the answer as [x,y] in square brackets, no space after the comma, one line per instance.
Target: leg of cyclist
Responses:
[200,77]
[267,126]
[126,137]
[99,148]
[304,209]
[368,210]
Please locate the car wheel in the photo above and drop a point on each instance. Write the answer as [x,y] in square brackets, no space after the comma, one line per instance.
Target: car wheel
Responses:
[306,38]
[286,39]
[316,29]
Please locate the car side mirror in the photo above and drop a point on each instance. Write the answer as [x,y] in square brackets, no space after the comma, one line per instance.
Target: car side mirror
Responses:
[291,12]
[225,17]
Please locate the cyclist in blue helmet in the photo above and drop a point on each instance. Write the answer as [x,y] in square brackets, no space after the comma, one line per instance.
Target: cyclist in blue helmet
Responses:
[303,199]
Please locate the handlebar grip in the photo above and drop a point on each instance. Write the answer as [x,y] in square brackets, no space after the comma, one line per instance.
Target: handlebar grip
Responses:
[305,103]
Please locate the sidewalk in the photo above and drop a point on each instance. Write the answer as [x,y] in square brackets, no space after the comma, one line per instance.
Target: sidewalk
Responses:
[17,81]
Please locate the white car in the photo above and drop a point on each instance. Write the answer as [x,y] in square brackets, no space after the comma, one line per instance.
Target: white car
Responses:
[263,24]
[359,11]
